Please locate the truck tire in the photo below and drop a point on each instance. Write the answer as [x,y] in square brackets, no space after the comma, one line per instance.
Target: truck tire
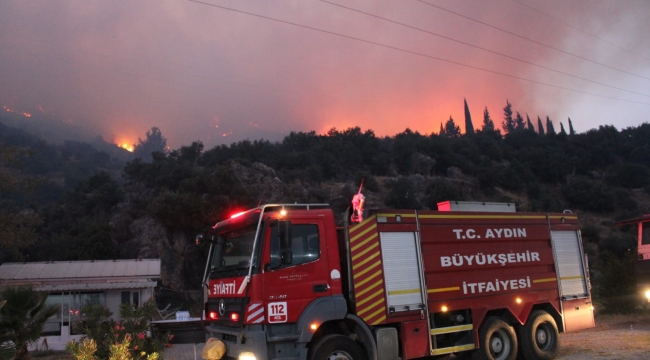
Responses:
[539,338]
[336,347]
[497,341]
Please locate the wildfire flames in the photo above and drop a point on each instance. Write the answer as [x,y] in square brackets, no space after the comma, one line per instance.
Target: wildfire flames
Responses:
[126,147]
[7,109]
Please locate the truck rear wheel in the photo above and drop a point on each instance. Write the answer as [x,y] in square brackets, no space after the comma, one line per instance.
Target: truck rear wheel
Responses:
[539,337]
[497,341]
[336,347]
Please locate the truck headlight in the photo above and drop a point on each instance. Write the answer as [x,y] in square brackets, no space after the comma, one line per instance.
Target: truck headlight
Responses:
[246,355]
[647,294]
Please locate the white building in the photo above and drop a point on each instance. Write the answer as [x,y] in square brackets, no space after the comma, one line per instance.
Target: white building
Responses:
[72,284]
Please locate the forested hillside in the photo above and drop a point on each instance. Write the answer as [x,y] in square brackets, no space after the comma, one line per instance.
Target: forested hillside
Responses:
[72,202]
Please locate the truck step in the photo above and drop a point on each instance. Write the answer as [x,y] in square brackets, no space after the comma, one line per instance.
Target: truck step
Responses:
[452,349]
[452,329]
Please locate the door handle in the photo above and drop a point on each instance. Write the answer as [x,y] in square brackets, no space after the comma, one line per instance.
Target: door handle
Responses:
[320,288]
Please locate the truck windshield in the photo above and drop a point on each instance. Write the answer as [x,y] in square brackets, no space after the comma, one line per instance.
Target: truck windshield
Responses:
[232,250]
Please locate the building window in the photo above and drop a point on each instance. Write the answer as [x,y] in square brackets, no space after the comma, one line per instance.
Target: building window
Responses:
[132,298]
[126,297]
[94,298]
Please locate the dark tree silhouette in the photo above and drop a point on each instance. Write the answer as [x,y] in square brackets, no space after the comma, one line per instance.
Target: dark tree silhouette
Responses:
[488,124]
[451,129]
[154,142]
[562,131]
[469,127]
[540,127]
[550,130]
[508,123]
[519,122]
[529,124]
[571,132]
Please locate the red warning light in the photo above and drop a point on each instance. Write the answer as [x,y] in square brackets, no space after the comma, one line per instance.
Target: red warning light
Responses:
[234,317]
[237,214]
[213,315]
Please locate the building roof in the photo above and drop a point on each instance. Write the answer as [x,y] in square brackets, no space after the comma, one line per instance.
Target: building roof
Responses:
[95,286]
[53,271]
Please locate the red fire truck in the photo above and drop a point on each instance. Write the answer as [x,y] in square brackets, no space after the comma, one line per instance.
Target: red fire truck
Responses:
[284,282]
[642,264]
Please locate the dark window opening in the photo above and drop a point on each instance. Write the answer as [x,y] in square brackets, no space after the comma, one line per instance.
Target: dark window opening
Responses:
[126,297]
[304,246]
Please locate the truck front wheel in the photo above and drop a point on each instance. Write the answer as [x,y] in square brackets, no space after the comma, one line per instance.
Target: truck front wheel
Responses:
[539,337]
[336,347]
[497,341]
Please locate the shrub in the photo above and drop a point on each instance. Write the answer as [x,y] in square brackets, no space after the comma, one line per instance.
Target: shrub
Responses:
[441,189]
[105,338]
[402,194]
[589,195]
[615,288]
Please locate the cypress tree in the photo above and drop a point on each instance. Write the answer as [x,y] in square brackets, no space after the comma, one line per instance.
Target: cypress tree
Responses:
[540,128]
[469,127]
[529,124]
[519,122]
[550,130]
[571,132]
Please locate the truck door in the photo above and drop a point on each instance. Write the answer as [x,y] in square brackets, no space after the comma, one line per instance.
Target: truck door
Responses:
[296,269]
[573,280]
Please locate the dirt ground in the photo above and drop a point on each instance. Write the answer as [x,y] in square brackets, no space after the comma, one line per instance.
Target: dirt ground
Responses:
[614,337]
[624,337]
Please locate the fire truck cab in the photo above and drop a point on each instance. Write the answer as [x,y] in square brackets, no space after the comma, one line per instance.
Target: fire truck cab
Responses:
[283,282]
[642,264]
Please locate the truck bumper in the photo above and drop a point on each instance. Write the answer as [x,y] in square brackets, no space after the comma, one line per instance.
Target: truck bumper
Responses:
[251,339]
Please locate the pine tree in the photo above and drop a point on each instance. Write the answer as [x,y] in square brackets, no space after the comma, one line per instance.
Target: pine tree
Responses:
[451,129]
[550,130]
[508,123]
[529,124]
[488,124]
[469,127]
[540,128]
[519,122]
[571,132]
[442,131]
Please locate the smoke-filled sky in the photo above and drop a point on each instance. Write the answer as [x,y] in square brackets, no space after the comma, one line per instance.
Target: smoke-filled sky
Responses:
[200,71]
